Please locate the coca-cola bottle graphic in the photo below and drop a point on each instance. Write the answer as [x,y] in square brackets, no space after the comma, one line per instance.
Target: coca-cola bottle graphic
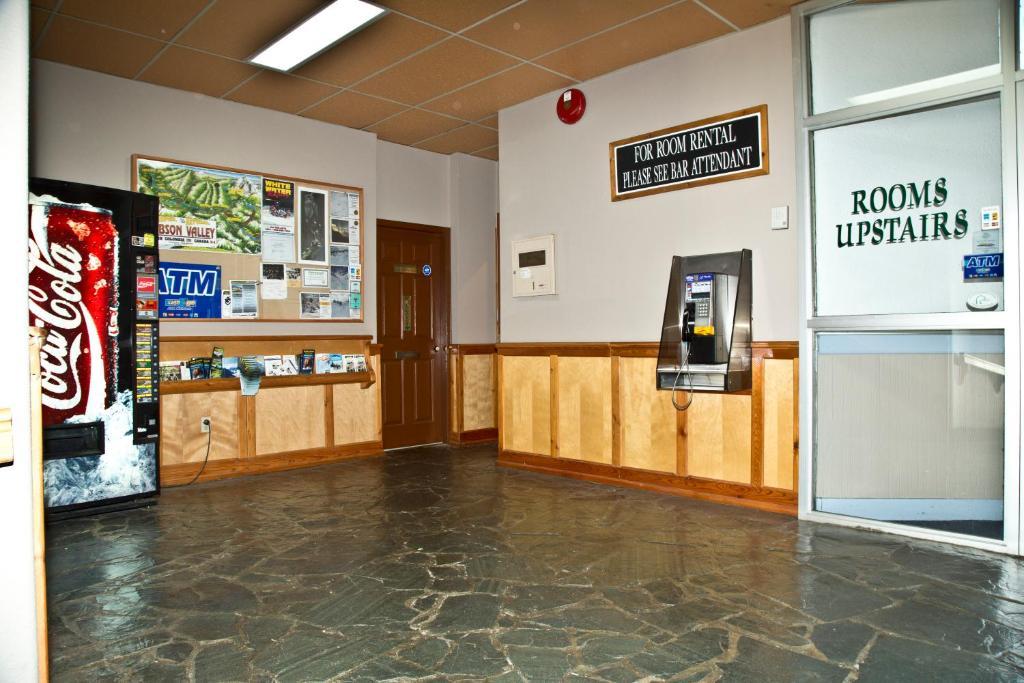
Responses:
[73,293]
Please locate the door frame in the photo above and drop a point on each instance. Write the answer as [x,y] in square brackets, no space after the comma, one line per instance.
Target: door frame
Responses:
[446,304]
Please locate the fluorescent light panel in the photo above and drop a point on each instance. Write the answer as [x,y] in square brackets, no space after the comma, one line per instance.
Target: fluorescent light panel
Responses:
[317,33]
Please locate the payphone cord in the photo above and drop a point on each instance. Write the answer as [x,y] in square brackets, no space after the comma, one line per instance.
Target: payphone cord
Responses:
[675,387]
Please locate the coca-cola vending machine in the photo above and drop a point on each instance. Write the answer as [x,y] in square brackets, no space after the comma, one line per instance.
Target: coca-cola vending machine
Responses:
[93,286]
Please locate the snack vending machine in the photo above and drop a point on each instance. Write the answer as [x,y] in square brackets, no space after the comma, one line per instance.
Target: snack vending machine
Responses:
[93,269]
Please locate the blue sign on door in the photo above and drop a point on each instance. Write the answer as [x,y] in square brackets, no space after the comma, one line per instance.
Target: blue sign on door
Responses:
[189,290]
[983,266]
[427,270]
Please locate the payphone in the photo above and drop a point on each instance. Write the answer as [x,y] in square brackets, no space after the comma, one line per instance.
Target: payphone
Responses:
[705,336]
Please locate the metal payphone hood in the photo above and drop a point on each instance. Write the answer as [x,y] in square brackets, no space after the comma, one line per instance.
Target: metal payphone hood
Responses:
[717,288]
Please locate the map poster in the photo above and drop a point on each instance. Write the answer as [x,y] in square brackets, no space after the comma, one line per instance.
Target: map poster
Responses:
[203,209]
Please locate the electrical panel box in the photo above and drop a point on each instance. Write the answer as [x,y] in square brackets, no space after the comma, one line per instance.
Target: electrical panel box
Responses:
[533,266]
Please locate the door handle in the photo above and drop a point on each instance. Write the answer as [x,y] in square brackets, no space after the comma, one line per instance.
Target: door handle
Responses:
[437,348]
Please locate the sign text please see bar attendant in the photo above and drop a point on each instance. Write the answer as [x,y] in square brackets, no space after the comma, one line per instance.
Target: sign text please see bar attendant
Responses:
[714,150]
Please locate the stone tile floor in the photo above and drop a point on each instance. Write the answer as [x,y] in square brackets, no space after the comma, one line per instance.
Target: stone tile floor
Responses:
[433,564]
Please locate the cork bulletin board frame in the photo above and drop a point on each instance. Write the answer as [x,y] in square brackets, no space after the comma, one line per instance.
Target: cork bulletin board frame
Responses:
[244,261]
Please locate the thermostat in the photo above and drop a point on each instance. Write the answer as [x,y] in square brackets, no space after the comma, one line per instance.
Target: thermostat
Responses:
[533,261]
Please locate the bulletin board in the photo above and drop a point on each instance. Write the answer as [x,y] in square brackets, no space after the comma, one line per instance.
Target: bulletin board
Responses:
[254,246]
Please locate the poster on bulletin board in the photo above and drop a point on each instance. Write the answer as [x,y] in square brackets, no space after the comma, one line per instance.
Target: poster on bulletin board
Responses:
[189,290]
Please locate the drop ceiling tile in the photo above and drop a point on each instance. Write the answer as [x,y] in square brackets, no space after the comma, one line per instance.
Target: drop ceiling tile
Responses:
[38,18]
[453,15]
[668,30]
[466,139]
[507,88]
[412,126]
[451,64]
[280,91]
[353,110]
[185,69]
[540,26]
[155,18]
[746,13]
[489,153]
[238,28]
[94,47]
[490,121]
[370,50]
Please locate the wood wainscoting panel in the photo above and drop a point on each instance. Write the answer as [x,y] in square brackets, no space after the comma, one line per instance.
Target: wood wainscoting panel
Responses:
[454,398]
[526,404]
[718,437]
[779,437]
[355,414]
[289,419]
[478,385]
[648,418]
[584,395]
[182,440]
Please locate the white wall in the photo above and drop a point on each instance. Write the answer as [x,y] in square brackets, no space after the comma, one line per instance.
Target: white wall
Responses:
[474,202]
[612,259]
[86,126]
[412,185]
[17,596]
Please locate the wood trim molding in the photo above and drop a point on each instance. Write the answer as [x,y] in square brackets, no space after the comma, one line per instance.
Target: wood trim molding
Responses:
[553,402]
[757,421]
[261,337]
[473,349]
[760,349]
[173,475]
[761,498]
[201,386]
[616,414]
[588,349]
[475,437]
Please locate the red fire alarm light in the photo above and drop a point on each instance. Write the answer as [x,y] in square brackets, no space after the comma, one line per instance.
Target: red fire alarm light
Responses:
[571,105]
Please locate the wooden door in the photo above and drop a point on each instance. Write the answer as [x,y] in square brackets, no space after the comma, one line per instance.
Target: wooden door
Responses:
[413,330]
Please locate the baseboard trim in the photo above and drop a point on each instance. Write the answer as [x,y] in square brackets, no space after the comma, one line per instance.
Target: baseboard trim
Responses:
[760,498]
[171,475]
[474,437]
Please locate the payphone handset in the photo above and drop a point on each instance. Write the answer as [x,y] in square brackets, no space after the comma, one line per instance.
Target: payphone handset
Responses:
[698,333]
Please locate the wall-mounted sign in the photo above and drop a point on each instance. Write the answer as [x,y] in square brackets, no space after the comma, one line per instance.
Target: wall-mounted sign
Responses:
[714,150]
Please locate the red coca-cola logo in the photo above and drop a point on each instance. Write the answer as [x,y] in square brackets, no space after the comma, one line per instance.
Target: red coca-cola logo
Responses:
[73,294]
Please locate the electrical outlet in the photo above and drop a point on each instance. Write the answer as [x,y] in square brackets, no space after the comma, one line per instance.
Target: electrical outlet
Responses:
[204,424]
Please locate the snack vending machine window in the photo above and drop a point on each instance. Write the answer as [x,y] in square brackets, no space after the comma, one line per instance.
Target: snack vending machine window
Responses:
[93,268]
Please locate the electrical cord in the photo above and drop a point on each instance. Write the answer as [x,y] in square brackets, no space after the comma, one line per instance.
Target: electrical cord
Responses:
[206,459]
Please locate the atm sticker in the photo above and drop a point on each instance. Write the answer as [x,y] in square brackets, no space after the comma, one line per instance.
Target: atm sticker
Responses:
[137,241]
[983,266]
[149,239]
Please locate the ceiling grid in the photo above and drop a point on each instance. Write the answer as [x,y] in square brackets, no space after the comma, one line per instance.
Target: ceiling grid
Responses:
[431,74]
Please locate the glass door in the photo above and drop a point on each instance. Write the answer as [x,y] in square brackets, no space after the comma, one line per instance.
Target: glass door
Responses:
[910,396]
